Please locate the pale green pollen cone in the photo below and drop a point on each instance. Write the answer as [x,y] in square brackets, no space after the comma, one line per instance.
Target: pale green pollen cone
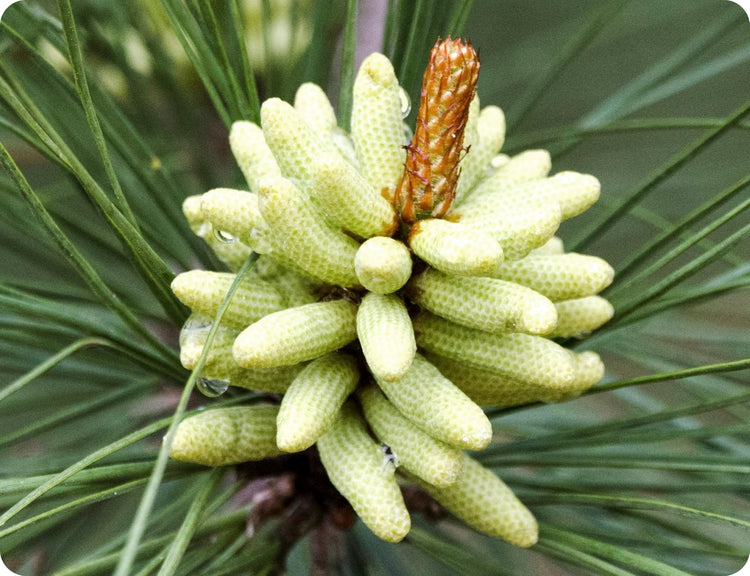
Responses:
[433,403]
[484,502]
[227,436]
[356,467]
[313,400]
[296,334]
[397,287]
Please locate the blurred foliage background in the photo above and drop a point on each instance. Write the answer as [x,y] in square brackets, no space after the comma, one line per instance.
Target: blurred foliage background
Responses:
[647,474]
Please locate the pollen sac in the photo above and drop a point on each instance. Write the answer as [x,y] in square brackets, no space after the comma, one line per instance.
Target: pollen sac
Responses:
[530,359]
[485,145]
[296,334]
[354,462]
[383,265]
[581,316]
[484,303]
[235,212]
[313,399]
[227,436]
[559,276]
[233,252]
[488,387]
[377,127]
[219,362]
[350,200]
[386,335]
[455,249]
[524,167]
[254,157]
[435,405]
[485,503]
[204,291]
[417,451]
[301,235]
[395,289]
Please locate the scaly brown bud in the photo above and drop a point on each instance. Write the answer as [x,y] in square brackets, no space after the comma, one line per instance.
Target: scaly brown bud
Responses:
[428,183]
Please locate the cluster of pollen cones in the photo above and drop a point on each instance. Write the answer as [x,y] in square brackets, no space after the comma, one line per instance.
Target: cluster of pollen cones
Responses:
[397,288]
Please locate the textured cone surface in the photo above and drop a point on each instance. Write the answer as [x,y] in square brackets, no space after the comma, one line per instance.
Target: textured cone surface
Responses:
[203,292]
[361,472]
[300,232]
[581,316]
[524,167]
[274,380]
[430,177]
[386,335]
[433,403]
[296,334]
[553,246]
[559,276]
[293,142]
[227,436]
[314,108]
[571,191]
[382,265]
[219,362]
[316,111]
[588,370]
[417,452]
[233,254]
[349,200]
[295,289]
[490,135]
[253,155]
[484,502]
[518,225]
[377,128]
[530,359]
[322,212]
[484,303]
[235,212]
[313,400]
[489,388]
[455,249]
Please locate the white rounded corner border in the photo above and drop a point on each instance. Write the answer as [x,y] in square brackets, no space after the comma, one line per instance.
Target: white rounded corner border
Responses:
[744,571]
[745,5]
[5,4]
[4,571]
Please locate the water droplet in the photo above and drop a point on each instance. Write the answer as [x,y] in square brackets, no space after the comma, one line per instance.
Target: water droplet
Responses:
[194,328]
[225,237]
[403,96]
[212,387]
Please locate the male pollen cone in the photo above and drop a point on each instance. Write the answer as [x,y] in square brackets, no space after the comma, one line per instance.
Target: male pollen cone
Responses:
[431,171]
